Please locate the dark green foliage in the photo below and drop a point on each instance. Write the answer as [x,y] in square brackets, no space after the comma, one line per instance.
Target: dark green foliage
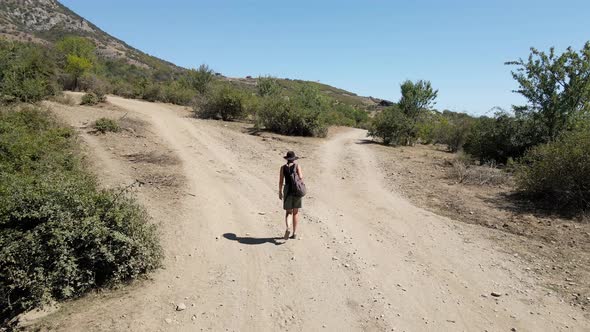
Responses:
[225,103]
[448,128]
[104,125]
[559,171]
[27,73]
[416,98]
[399,124]
[501,138]
[392,126]
[59,234]
[557,88]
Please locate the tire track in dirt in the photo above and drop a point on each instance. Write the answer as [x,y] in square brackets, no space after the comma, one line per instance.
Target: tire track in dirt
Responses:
[368,259]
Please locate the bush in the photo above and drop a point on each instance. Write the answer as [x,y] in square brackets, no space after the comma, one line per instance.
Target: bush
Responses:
[346,115]
[198,79]
[268,86]
[60,235]
[92,83]
[225,103]
[176,93]
[559,170]
[92,98]
[152,92]
[283,116]
[500,138]
[453,131]
[392,126]
[27,73]
[104,125]
[123,89]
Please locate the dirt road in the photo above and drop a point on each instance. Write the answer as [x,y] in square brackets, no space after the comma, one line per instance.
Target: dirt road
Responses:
[366,259]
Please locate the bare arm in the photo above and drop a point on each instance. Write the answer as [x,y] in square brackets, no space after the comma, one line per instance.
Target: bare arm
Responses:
[299,172]
[281,180]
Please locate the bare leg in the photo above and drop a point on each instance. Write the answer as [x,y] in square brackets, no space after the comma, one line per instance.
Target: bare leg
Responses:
[287,213]
[295,220]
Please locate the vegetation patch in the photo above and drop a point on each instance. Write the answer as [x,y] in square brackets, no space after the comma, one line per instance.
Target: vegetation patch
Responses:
[92,98]
[60,235]
[106,125]
[559,171]
[224,103]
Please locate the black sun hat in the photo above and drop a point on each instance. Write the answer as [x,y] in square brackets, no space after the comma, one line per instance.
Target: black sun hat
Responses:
[291,156]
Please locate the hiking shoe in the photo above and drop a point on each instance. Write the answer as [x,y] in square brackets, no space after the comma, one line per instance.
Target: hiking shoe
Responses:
[286,237]
[294,236]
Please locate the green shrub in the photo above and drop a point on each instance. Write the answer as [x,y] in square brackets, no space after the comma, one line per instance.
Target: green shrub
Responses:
[104,125]
[152,92]
[198,80]
[60,235]
[453,131]
[283,116]
[123,89]
[177,93]
[27,73]
[268,86]
[225,103]
[92,98]
[346,115]
[500,138]
[392,126]
[559,170]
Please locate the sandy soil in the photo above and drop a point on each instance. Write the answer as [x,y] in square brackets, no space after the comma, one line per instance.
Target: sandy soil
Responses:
[556,247]
[366,259]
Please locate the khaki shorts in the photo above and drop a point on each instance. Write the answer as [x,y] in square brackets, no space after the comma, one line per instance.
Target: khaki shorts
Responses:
[291,202]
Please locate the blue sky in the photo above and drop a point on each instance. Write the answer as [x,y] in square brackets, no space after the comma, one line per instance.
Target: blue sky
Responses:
[367,47]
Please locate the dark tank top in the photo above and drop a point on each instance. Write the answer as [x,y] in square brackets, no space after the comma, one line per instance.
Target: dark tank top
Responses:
[287,175]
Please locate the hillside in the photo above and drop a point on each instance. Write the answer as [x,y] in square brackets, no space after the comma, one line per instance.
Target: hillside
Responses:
[46,21]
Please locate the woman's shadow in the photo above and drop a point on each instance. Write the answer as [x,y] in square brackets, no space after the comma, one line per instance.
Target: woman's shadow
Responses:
[253,240]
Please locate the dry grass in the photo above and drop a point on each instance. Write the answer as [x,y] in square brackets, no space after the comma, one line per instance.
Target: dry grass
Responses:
[464,172]
[64,99]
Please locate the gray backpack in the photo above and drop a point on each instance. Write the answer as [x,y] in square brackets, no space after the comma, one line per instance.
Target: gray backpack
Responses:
[296,185]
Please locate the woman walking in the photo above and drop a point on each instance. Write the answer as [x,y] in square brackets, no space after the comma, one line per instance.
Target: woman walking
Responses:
[291,203]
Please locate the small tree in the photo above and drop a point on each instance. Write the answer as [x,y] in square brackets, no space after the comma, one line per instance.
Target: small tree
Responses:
[78,57]
[557,87]
[416,97]
[399,124]
[77,66]
[199,79]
